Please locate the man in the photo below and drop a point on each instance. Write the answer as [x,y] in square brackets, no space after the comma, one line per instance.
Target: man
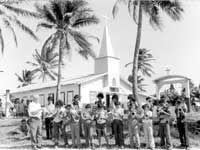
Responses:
[35,122]
[180,111]
[164,126]
[118,113]
[49,117]
[75,126]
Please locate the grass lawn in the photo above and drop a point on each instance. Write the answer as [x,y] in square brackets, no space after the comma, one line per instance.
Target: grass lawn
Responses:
[11,138]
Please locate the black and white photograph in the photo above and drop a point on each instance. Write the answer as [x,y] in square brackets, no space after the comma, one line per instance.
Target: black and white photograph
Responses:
[99,74]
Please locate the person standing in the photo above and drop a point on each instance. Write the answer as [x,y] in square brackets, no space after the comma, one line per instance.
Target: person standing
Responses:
[87,124]
[49,117]
[57,121]
[1,109]
[118,114]
[75,126]
[180,111]
[35,122]
[101,119]
[133,123]
[148,127]
[164,126]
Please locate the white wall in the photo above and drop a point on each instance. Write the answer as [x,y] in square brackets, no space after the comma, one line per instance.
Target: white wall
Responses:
[86,88]
[45,91]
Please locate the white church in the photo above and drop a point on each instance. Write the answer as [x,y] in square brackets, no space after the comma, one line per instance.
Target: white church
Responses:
[106,79]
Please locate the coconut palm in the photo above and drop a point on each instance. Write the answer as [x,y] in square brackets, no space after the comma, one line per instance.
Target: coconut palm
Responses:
[145,67]
[140,80]
[152,9]
[9,19]
[66,18]
[26,78]
[45,64]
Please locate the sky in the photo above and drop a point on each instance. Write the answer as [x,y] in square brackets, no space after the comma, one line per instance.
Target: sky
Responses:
[176,47]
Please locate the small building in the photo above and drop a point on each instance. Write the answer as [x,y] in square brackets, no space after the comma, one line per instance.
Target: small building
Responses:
[106,79]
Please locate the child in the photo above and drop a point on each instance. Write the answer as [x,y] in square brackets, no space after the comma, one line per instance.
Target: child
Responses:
[133,125]
[118,113]
[75,128]
[57,121]
[87,124]
[148,127]
[66,124]
[101,118]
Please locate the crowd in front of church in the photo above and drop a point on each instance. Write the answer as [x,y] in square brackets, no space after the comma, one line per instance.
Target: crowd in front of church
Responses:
[72,123]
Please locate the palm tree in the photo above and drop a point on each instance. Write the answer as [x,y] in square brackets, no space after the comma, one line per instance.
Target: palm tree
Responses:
[45,64]
[26,78]
[66,18]
[8,18]
[152,8]
[140,80]
[145,67]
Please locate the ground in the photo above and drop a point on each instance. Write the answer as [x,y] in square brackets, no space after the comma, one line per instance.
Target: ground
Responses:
[11,138]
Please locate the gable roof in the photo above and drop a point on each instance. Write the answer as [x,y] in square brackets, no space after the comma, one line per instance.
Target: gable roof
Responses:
[78,80]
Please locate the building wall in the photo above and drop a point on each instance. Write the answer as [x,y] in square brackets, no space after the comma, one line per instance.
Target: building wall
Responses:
[67,92]
[89,90]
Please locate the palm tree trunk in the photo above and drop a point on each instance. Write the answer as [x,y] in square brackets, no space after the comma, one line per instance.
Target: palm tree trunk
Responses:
[136,55]
[59,71]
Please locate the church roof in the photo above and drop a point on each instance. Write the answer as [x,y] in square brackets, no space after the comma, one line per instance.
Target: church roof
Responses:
[106,49]
[78,80]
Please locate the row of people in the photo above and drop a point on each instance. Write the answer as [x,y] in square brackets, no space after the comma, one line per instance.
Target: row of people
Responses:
[97,119]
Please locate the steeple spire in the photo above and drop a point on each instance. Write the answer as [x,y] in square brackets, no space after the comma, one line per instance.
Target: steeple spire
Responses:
[106,45]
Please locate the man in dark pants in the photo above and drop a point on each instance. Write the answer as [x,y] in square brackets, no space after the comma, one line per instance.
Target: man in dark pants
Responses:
[181,124]
[49,117]
[118,113]
[164,126]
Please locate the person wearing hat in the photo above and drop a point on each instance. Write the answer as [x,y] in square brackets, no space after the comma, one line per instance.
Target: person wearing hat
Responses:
[181,124]
[35,122]
[118,113]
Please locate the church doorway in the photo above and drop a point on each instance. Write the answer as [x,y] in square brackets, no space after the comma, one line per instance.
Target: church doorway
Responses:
[107,100]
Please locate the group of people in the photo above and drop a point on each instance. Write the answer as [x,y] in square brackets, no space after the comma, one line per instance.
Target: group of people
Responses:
[97,120]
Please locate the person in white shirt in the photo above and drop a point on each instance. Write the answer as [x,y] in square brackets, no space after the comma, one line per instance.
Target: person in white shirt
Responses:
[148,127]
[118,114]
[35,122]
[49,117]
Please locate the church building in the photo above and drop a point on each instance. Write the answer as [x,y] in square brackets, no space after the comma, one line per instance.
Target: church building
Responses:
[106,79]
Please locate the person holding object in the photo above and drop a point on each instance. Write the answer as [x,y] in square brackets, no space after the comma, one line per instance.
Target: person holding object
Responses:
[75,128]
[181,124]
[133,123]
[118,114]
[35,122]
[66,124]
[148,127]
[49,118]
[57,121]
[87,124]
[101,119]
[164,126]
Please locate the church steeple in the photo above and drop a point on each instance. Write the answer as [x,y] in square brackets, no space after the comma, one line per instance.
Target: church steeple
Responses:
[107,62]
[106,46]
